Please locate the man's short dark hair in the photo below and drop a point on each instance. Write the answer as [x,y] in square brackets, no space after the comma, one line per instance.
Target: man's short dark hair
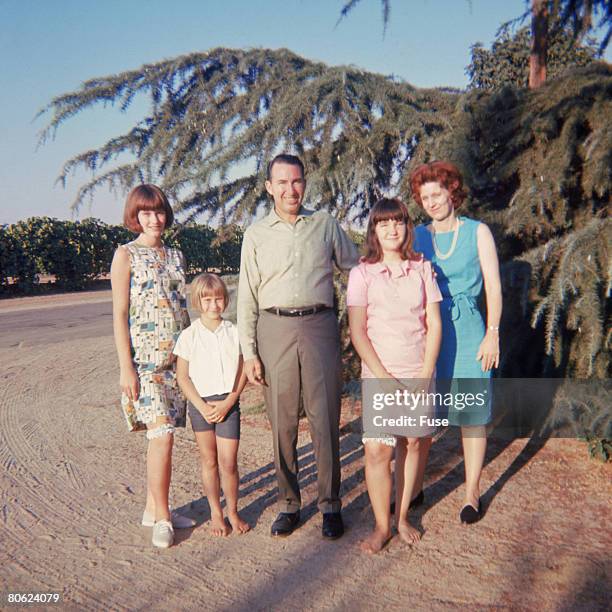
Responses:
[284,158]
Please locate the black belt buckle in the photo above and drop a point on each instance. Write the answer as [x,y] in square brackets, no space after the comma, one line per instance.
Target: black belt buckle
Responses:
[296,312]
[303,312]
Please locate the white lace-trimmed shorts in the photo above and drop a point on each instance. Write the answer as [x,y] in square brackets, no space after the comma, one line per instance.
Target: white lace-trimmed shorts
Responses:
[386,440]
[370,386]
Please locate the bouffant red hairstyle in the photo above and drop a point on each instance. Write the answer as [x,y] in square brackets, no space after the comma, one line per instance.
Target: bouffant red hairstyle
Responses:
[387,209]
[442,172]
[145,197]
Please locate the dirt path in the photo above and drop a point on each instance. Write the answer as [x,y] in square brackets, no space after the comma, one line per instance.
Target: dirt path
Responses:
[72,488]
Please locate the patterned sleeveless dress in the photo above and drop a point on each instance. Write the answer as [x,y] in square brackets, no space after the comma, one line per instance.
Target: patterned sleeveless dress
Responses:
[460,280]
[157,315]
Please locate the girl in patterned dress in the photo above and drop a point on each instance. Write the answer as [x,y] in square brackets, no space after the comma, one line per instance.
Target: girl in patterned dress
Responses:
[394,320]
[463,254]
[149,312]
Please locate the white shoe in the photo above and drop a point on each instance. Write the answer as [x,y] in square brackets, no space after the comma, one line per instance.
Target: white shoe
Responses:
[178,520]
[163,534]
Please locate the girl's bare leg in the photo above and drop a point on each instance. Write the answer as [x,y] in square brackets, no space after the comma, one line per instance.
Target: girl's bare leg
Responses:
[400,459]
[400,462]
[227,451]
[411,457]
[474,441]
[425,447]
[378,458]
[150,503]
[159,469]
[207,445]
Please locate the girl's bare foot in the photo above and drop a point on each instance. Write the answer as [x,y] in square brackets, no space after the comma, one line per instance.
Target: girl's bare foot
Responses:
[218,527]
[238,525]
[408,533]
[375,542]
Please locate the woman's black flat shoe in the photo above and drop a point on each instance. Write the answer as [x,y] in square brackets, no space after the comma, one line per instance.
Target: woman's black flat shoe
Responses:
[469,514]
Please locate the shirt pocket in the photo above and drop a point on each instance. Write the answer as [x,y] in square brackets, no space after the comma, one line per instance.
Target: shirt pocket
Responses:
[316,254]
[275,256]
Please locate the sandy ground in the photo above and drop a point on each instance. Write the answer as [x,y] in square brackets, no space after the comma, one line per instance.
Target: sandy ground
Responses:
[72,490]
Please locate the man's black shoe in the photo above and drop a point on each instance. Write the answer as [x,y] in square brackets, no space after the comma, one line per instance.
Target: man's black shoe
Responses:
[285,523]
[333,527]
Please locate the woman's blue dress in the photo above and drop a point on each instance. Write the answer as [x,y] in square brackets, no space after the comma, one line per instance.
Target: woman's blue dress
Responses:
[460,280]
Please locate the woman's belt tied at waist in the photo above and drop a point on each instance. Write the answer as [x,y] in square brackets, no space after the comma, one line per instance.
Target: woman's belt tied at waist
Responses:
[455,304]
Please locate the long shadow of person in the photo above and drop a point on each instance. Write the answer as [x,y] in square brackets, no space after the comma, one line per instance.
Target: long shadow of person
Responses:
[264,478]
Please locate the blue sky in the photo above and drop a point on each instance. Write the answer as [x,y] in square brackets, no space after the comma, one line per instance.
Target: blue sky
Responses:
[51,47]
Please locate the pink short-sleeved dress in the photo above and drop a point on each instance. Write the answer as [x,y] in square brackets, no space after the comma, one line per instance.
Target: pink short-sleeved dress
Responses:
[396,298]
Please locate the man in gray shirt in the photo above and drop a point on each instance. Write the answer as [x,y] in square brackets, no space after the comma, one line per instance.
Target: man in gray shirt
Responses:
[289,335]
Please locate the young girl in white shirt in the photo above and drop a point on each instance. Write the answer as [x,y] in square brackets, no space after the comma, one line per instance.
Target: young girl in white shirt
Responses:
[210,374]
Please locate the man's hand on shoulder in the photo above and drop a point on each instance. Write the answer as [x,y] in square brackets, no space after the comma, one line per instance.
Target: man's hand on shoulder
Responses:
[253,368]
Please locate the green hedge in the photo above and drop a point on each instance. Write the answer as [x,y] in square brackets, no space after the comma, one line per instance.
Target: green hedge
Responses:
[205,248]
[77,252]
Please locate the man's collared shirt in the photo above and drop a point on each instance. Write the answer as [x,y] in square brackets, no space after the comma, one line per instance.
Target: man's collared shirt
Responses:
[289,266]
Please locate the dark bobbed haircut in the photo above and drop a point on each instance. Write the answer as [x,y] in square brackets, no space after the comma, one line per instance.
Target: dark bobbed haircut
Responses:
[443,172]
[207,285]
[145,197]
[384,210]
[284,158]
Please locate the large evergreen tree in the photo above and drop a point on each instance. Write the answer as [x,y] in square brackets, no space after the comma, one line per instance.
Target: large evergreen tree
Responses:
[539,167]
[507,62]
[538,163]
[217,117]
[549,18]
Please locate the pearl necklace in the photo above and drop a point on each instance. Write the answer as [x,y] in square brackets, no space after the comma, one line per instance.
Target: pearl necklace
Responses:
[439,253]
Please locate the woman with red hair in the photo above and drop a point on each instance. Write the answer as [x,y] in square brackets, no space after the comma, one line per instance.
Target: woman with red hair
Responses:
[464,258]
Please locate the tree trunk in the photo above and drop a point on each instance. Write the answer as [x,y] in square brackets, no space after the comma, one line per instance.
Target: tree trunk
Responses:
[539,43]
[587,18]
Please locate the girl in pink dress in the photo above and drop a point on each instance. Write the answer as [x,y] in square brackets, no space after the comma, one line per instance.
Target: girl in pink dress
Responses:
[395,327]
